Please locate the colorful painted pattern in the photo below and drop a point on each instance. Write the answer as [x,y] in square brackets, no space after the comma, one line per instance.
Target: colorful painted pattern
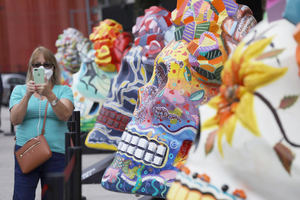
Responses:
[121,100]
[90,85]
[136,70]
[110,44]
[149,31]
[196,186]
[236,27]
[186,75]
[67,54]
[248,146]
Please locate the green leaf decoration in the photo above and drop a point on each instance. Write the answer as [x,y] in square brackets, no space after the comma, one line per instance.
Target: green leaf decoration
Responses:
[179,32]
[285,156]
[218,72]
[210,141]
[201,28]
[213,54]
[288,101]
[270,54]
[161,93]
[196,96]
[187,74]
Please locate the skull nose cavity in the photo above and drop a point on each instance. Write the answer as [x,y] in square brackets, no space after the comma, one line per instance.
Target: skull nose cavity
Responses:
[143,149]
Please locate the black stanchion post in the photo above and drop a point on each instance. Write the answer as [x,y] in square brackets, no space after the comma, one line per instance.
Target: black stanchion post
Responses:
[72,126]
[68,184]
[75,177]
[55,186]
[76,118]
[69,136]
[72,189]
[67,189]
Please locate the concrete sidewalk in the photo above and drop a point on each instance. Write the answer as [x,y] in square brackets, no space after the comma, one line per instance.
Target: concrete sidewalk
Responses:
[90,191]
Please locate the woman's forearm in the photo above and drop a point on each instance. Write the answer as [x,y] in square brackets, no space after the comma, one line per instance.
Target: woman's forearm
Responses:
[63,108]
[19,110]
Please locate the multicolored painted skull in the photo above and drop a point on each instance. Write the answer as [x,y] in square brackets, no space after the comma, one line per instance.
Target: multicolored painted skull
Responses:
[109,49]
[135,71]
[186,75]
[248,145]
[91,83]
[90,86]
[67,54]
[236,27]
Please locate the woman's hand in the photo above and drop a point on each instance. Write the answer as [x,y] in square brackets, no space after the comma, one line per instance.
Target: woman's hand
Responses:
[44,89]
[30,88]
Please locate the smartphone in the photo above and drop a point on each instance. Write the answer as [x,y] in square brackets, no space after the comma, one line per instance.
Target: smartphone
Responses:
[38,75]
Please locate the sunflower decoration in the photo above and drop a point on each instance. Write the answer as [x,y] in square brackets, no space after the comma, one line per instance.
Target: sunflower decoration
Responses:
[107,37]
[243,73]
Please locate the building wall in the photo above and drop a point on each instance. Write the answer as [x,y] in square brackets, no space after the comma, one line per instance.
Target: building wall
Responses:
[24,25]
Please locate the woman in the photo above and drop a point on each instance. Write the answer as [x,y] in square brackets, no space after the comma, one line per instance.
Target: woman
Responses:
[27,107]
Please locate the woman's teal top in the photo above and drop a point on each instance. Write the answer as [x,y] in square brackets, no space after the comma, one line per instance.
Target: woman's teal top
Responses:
[32,124]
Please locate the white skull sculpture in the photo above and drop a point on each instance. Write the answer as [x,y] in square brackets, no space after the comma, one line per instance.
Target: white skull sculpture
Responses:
[248,145]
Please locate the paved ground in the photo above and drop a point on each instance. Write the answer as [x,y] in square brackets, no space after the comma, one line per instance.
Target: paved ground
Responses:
[90,191]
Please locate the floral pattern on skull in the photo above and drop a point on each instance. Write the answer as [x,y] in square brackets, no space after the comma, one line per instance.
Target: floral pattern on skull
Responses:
[248,146]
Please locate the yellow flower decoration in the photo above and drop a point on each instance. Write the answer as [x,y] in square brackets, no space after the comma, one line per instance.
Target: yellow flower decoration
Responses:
[243,73]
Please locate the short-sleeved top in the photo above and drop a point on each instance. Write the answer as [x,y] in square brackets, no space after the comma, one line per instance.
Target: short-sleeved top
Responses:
[32,124]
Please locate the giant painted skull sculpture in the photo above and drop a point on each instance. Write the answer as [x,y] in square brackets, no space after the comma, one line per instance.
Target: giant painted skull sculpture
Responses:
[135,71]
[67,54]
[165,122]
[91,82]
[90,86]
[249,145]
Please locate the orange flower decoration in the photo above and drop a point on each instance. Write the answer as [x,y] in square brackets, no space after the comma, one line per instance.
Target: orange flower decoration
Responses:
[243,73]
[240,193]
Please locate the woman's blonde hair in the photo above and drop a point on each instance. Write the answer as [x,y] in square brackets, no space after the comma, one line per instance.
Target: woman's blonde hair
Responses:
[49,58]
